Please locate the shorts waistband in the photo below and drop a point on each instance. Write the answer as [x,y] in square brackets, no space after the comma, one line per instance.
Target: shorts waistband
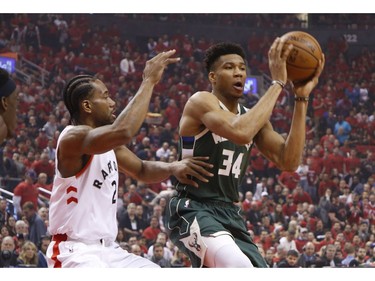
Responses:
[216,203]
[63,237]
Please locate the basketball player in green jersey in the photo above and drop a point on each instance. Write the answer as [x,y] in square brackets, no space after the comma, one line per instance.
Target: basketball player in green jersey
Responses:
[204,222]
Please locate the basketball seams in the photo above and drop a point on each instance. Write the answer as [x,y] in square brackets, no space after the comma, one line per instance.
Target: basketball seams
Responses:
[310,54]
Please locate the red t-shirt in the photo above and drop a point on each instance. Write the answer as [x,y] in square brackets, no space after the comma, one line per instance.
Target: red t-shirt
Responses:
[27,192]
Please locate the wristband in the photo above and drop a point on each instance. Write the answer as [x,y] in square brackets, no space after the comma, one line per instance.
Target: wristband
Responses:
[278,82]
[301,99]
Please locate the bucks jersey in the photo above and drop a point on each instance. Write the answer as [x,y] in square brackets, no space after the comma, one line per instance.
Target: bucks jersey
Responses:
[230,162]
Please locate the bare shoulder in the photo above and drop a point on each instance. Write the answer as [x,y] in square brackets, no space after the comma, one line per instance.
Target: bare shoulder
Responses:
[201,95]
[202,99]
[72,141]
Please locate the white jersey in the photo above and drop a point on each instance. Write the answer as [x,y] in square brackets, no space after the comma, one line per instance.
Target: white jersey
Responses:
[84,206]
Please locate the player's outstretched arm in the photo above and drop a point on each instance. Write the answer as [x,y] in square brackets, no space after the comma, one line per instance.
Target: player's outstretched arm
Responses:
[131,118]
[156,171]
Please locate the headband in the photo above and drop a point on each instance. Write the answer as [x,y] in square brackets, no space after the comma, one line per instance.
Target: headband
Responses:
[8,88]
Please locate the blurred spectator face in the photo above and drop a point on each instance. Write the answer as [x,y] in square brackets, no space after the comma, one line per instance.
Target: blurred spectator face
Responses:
[4,231]
[158,252]
[42,178]
[136,250]
[309,249]
[44,245]
[269,255]
[330,252]
[3,204]
[361,253]
[43,213]
[339,255]
[132,241]
[154,222]
[21,226]
[292,260]
[30,250]
[8,244]
[347,228]
[139,210]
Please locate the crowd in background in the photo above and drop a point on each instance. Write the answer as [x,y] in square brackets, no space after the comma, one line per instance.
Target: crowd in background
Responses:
[323,214]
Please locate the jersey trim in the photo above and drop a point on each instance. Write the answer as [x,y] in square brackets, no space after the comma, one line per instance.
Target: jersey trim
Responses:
[85,167]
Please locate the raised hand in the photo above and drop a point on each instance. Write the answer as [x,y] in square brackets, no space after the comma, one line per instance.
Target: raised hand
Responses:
[155,67]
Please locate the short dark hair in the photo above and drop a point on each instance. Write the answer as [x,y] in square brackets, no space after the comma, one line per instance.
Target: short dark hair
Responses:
[77,89]
[293,253]
[158,245]
[221,49]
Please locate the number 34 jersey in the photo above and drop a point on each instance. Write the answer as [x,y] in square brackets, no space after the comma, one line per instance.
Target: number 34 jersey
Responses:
[229,160]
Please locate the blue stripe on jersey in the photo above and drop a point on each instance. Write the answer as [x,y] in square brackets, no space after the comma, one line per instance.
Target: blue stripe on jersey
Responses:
[187,142]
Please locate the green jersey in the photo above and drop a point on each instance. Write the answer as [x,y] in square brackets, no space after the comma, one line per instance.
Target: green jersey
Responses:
[230,163]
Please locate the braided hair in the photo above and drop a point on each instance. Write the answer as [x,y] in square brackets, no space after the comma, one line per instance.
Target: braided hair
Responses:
[221,49]
[77,89]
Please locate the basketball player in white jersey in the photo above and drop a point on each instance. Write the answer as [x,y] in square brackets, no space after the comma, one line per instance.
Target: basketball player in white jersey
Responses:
[90,154]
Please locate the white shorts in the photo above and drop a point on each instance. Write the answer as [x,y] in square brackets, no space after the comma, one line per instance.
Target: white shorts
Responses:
[79,254]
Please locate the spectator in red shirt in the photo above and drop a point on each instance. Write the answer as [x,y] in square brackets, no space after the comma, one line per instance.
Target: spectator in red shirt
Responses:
[352,162]
[289,180]
[315,162]
[172,113]
[258,164]
[246,204]
[151,232]
[302,239]
[319,109]
[309,220]
[334,161]
[42,139]
[25,191]
[289,208]
[301,196]
[44,165]
[42,182]
[132,196]
[264,239]
[328,240]
[324,184]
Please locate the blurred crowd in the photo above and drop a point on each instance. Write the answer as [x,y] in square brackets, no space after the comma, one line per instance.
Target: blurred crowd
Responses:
[321,215]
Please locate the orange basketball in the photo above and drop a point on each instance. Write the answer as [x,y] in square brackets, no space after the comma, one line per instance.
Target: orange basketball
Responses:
[304,57]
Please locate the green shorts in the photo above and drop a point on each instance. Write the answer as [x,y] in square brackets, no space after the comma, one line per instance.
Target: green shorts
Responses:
[189,220]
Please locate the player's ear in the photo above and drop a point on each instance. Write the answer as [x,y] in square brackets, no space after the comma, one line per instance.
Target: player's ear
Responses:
[3,104]
[86,106]
[212,77]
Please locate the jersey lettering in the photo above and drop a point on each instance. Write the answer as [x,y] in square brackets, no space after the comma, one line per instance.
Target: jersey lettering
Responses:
[114,193]
[229,165]
[104,174]
[98,184]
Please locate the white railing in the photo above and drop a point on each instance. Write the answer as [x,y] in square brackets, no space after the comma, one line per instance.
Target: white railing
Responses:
[32,71]
[42,194]
[2,190]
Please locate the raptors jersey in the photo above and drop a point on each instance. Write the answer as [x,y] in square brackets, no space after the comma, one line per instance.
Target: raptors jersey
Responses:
[84,206]
[230,163]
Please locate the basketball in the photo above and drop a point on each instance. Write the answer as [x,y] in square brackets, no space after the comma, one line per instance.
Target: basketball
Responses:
[304,57]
